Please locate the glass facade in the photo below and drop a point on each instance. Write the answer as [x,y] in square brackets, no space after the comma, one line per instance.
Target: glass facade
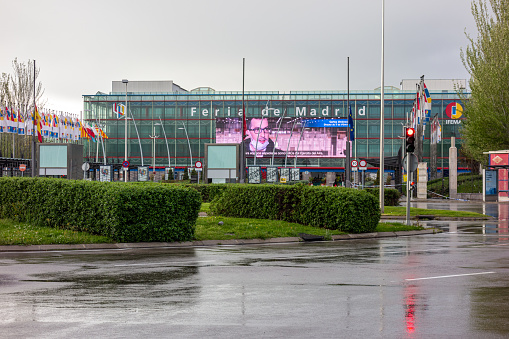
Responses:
[189,121]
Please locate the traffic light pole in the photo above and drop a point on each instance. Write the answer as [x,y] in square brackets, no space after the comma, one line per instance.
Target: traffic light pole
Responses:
[408,189]
[409,149]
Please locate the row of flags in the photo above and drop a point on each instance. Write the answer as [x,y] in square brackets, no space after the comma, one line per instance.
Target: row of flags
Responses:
[436,131]
[421,112]
[48,125]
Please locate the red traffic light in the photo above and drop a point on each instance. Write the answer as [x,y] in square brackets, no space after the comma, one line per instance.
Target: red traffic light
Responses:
[410,132]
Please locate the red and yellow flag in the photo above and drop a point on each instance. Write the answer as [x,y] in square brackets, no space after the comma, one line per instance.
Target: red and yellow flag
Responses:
[38,124]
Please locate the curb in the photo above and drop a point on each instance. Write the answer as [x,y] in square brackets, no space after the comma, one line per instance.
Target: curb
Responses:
[204,243]
[421,217]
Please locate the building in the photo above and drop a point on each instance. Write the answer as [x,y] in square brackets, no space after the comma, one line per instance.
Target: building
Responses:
[190,119]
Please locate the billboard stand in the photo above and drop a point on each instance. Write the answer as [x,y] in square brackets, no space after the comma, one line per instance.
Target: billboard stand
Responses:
[272,174]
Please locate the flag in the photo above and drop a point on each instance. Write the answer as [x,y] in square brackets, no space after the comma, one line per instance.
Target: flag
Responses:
[14,118]
[45,125]
[90,132]
[83,131]
[55,127]
[425,92]
[77,130]
[8,120]
[350,124]
[37,124]
[119,110]
[21,124]
[2,121]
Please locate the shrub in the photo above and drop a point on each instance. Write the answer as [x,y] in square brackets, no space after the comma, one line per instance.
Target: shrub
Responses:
[343,209]
[127,212]
[391,195]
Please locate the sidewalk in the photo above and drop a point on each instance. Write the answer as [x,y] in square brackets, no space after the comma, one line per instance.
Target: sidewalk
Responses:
[206,243]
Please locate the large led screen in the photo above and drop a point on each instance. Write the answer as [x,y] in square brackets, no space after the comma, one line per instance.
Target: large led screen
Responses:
[278,137]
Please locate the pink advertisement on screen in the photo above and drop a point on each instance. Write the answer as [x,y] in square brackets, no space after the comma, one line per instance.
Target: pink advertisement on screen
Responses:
[281,136]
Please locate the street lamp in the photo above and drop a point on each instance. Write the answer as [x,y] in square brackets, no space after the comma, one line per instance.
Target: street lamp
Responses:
[165,139]
[290,138]
[153,137]
[277,133]
[188,143]
[382,104]
[125,81]
[298,143]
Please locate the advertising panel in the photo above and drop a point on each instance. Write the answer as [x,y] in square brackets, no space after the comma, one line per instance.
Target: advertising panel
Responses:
[267,137]
[491,182]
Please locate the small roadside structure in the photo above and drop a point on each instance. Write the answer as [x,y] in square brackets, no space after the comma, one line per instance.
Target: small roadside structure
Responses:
[495,177]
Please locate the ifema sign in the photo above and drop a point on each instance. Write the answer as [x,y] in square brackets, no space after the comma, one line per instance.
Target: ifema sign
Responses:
[454,111]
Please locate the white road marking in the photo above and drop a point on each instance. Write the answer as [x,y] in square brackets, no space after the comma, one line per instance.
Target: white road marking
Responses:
[182,263]
[450,276]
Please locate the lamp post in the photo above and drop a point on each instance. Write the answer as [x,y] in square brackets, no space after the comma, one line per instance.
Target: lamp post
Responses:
[277,133]
[188,143]
[165,139]
[125,81]
[298,143]
[154,137]
[382,165]
[290,138]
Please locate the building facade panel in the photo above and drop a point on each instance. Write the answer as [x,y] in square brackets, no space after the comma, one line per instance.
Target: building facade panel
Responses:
[190,120]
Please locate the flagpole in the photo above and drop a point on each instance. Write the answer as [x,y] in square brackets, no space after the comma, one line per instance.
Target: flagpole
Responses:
[242,177]
[33,133]
[382,167]
[126,169]
[348,178]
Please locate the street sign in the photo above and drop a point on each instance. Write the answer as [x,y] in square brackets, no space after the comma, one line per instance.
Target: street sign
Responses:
[354,163]
[22,167]
[413,162]
[85,166]
[363,165]
[125,164]
[198,164]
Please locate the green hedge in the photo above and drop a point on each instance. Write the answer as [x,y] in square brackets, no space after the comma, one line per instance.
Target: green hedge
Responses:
[126,212]
[344,209]
[391,195]
[207,191]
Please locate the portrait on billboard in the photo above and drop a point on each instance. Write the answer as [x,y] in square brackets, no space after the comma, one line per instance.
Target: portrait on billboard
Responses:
[258,137]
[290,137]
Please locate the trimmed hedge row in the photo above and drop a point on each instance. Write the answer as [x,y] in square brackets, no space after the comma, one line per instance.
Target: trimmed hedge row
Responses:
[126,212]
[208,191]
[344,209]
[391,195]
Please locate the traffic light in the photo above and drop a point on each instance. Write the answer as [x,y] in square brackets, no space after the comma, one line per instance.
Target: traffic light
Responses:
[413,186]
[410,140]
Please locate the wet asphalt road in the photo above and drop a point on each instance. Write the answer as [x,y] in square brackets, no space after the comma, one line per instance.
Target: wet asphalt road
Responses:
[449,285]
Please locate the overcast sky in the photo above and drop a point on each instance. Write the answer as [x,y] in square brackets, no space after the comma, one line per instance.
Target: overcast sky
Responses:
[289,45]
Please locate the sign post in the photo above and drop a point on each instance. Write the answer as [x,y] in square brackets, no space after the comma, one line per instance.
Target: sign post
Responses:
[125,165]
[85,167]
[198,165]
[363,166]
[22,168]
[354,167]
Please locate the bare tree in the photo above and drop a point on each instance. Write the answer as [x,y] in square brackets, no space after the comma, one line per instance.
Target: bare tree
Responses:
[23,86]
[17,92]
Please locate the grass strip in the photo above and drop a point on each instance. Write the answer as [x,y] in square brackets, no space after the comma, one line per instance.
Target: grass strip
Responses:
[207,228]
[20,233]
[401,210]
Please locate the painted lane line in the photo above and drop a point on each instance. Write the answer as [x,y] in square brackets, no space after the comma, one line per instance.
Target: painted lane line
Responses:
[449,276]
[183,263]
